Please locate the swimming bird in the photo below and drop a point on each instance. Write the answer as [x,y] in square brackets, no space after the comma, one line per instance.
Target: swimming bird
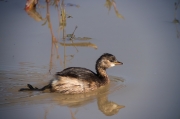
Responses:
[74,80]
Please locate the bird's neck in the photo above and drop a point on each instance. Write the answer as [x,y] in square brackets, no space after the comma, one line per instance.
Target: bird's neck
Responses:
[101,72]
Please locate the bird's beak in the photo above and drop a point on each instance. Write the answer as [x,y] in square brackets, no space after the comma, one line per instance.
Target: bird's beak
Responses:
[118,63]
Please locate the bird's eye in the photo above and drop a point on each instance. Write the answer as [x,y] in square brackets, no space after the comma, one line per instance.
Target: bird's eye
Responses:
[111,60]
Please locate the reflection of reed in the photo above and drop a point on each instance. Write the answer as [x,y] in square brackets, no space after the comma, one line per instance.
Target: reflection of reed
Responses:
[177,30]
[54,55]
[73,114]
[176,21]
[176,4]
[54,40]
[46,111]
[49,22]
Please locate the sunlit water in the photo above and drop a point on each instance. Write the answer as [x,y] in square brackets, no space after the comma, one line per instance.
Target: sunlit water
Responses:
[146,41]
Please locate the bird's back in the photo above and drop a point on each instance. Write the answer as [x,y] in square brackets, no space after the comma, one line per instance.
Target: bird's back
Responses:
[75,80]
[79,73]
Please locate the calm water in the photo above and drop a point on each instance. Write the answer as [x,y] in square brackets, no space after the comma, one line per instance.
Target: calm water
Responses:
[146,41]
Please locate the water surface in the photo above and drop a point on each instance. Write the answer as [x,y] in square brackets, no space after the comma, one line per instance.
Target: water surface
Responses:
[146,41]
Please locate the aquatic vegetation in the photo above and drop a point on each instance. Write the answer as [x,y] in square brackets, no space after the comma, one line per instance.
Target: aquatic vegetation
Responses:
[77,38]
[34,14]
[110,3]
[30,4]
[81,44]
[72,5]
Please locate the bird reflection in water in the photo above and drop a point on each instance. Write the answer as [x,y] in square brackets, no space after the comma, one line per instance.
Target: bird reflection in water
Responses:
[106,106]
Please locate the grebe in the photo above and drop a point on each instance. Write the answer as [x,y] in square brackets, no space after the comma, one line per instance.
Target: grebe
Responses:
[75,80]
